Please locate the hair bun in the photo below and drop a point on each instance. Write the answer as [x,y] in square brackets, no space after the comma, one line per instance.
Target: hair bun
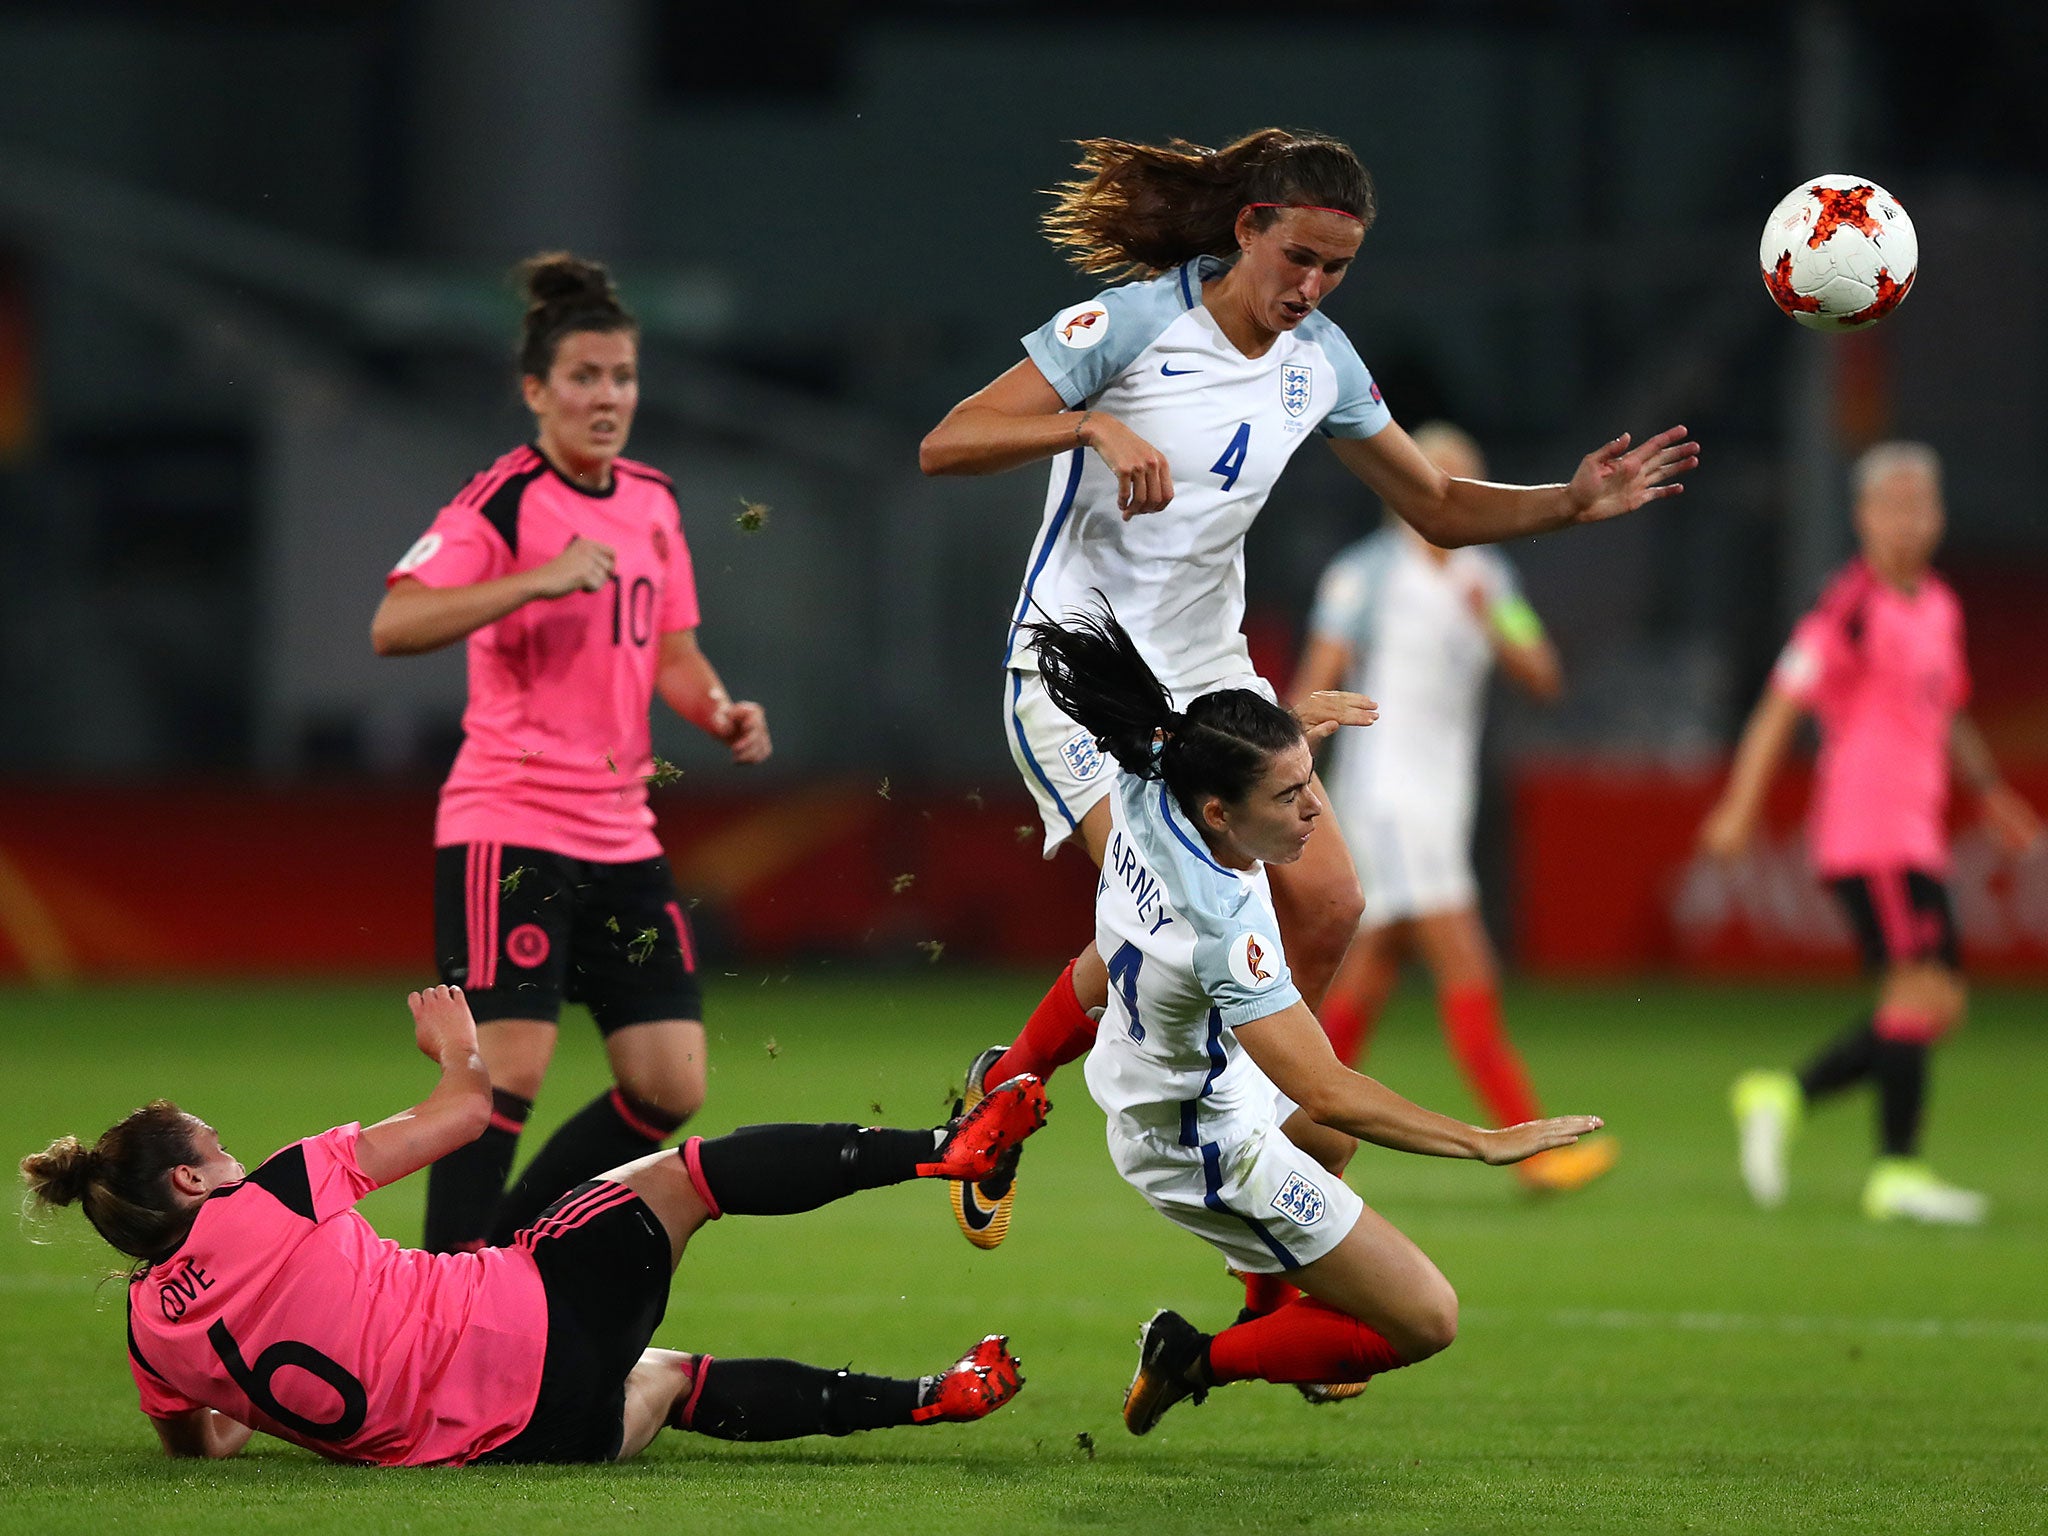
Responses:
[59,1174]
[558,278]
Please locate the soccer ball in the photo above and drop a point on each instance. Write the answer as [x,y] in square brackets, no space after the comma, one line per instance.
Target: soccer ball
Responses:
[1838,253]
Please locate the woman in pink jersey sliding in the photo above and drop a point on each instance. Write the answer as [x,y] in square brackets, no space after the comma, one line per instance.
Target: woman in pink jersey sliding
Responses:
[565,569]
[262,1301]
[1880,665]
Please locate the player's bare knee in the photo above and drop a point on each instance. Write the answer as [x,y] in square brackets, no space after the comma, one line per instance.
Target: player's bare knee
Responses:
[1433,1322]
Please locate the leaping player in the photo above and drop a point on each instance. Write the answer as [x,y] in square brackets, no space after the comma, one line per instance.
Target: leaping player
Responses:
[1168,407]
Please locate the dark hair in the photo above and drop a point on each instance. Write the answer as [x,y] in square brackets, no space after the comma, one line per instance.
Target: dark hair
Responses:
[1092,670]
[564,294]
[123,1180]
[1138,209]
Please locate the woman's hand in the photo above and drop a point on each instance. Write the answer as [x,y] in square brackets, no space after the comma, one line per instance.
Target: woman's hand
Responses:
[1611,480]
[1323,712]
[1513,1143]
[585,566]
[1144,483]
[1726,831]
[441,1023]
[743,726]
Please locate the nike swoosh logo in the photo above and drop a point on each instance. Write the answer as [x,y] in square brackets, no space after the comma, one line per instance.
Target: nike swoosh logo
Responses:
[1173,373]
[971,1209]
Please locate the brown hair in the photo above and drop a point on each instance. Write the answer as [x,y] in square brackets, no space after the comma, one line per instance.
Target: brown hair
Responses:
[123,1180]
[1138,209]
[564,294]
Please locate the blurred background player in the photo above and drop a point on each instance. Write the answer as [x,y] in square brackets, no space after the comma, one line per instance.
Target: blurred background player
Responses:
[1227,1110]
[1880,665]
[1418,628]
[1168,407]
[565,568]
[263,1301]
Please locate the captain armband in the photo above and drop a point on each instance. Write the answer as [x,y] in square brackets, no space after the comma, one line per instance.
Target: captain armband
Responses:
[1515,621]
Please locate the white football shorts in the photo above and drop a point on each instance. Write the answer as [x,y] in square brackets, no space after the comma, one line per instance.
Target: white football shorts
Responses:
[1061,765]
[1410,863]
[1262,1202]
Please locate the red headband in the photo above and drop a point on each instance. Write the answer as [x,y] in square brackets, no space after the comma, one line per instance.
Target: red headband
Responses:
[1311,207]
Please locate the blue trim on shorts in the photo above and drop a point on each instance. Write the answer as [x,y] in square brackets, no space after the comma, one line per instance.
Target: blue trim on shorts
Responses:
[1038,773]
[1052,534]
[1212,1197]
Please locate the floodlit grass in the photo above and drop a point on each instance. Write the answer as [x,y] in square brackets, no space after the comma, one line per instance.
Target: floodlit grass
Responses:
[1649,1355]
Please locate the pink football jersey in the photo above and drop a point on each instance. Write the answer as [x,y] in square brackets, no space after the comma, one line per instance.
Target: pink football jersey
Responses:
[284,1310]
[556,750]
[1884,673]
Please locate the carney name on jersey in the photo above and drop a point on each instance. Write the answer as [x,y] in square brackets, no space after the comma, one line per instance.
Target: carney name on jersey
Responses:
[1151,355]
[1193,952]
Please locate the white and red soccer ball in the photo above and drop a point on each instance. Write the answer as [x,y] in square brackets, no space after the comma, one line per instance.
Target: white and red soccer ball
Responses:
[1838,253]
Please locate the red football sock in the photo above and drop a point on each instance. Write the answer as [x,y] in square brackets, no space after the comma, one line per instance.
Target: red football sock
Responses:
[1347,1023]
[1303,1341]
[1267,1293]
[1058,1030]
[1472,1026]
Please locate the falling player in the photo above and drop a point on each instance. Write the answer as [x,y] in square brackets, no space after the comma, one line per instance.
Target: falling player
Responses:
[1168,407]
[564,567]
[1227,1110]
[1418,628]
[1879,663]
[263,1301]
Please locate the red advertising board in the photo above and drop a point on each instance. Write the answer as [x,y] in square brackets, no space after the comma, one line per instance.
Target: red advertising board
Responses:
[1608,882]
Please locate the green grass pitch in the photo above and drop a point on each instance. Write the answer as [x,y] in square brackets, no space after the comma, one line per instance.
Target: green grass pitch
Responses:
[1649,1355]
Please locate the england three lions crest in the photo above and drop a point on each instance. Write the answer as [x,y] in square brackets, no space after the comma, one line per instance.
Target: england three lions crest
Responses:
[1297,383]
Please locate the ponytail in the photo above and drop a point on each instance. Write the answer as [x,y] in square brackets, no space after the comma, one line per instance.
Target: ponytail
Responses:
[1140,209]
[564,294]
[1093,672]
[123,1180]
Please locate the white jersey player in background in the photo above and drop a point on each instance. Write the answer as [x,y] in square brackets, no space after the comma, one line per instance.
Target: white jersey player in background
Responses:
[1168,408]
[1226,1109]
[1420,628]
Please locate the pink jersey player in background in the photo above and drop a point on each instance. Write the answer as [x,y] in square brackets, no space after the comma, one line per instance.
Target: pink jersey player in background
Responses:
[564,567]
[1879,663]
[262,1300]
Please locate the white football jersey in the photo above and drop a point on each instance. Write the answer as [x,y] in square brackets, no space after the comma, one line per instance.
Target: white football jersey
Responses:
[1193,950]
[1421,652]
[1151,355]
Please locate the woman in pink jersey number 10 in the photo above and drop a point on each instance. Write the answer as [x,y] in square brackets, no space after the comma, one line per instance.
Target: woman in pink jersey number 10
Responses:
[263,1301]
[1879,663]
[564,567]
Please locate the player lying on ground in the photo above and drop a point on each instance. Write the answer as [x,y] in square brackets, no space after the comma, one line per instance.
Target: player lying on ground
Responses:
[264,1301]
[1227,1110]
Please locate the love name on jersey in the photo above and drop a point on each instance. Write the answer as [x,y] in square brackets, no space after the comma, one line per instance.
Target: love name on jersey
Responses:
[1144,885]
[179,1287]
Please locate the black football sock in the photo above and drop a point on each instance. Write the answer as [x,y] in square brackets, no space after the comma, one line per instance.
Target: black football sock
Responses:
[1842,1063]
[463,1188]
[775,1170]
[782,1399]
[1901,1095]
[611,1129]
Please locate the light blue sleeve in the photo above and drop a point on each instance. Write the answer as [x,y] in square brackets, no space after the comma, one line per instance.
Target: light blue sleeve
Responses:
[1359,412]
[1084,346]
[1348,593]
[1239,962]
